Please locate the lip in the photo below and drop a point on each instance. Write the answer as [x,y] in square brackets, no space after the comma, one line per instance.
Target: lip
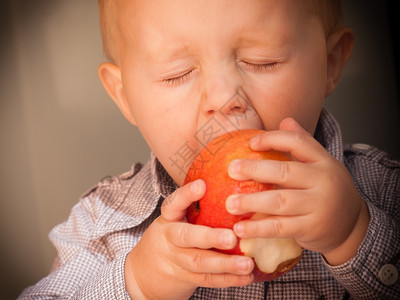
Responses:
[224,128]
[217,124]
[227,134]
[221,123]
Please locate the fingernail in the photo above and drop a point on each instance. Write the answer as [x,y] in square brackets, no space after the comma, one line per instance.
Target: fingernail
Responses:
[232,203]
[234,168]
[227,239]
[254,141]
[243,264]
[197,186]
[238,228]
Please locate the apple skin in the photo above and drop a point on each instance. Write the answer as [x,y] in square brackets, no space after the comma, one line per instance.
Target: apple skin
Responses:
[211,165]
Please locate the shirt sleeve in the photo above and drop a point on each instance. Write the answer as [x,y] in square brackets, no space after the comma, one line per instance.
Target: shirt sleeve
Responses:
[106,282]
[93,243]
[85,268]
[360,276]
[363,276]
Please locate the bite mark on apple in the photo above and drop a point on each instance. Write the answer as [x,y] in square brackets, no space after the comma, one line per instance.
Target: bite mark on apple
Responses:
[270,253]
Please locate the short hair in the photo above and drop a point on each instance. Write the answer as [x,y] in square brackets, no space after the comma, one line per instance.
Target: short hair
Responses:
[107,12]
[329,12]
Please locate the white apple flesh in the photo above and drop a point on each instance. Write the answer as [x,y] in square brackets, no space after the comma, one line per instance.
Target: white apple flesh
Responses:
[268,254]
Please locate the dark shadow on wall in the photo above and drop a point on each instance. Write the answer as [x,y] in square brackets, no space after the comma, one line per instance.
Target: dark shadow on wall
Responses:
[19,253]
[394,24]
[366,101]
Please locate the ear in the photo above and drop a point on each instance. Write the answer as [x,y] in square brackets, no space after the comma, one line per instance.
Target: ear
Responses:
[339,48]
[110,76]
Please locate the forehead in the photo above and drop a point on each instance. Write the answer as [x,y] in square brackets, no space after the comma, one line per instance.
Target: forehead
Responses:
[175,23]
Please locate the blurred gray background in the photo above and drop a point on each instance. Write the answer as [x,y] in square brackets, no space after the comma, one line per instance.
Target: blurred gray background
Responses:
[60,133]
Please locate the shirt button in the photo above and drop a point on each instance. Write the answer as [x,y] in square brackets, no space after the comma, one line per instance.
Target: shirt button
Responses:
[388,274]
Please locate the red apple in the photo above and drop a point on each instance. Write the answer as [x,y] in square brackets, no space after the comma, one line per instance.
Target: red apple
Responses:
[273,257]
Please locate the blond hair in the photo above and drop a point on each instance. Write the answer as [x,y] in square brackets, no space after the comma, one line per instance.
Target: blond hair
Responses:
[329,12]
[107,12]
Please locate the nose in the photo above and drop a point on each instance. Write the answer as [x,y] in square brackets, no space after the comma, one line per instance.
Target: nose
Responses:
[223,94]
[224,106]
[225,102]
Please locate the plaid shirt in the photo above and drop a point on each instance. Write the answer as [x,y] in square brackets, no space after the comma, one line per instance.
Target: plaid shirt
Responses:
[111,217]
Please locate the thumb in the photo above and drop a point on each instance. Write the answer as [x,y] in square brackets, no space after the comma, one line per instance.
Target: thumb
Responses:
[291,124]
[174,207]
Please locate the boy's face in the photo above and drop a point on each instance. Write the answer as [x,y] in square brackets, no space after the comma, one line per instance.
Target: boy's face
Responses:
[192,70]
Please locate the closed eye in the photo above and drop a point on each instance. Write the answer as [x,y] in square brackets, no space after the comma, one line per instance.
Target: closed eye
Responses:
[177,79]
[259,67]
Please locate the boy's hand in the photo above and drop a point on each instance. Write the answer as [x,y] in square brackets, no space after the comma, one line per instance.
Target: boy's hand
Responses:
[316,201]
[173,258]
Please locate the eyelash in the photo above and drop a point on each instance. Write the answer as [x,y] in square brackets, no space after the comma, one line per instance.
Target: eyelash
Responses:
[260,67]
[178,79]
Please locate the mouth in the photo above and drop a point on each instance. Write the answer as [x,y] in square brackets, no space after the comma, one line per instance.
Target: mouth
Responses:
[215,127]
[219,123]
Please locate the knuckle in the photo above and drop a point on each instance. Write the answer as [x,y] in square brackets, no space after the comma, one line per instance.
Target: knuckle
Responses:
[223,265]
[171,198]
[250,167]
[276,227]
[208,279]
[208,237]
[284,170]
[197,261]
[184,235]
[253,166]
[280,201]
[226,279]
[166,205]
[257,228]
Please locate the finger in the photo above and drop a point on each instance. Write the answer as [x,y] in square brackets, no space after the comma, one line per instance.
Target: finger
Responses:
[302,146]
[273,202]
[209,261]
[185,235]
[210,280]
[289,174]
[271,226]
[174,207]
[291,125]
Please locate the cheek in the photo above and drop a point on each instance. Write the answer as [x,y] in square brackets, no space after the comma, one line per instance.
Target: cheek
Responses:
[297,91]
[311,94]
[150,108]
[167,129]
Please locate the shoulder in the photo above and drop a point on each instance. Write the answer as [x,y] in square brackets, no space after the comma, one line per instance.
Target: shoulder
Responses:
[374,160]
[120,202]
[369,160]
[114,184]
[374,172]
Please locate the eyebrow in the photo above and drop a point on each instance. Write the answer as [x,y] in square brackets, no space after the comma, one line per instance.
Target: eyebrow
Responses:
[181,49]
[169,53]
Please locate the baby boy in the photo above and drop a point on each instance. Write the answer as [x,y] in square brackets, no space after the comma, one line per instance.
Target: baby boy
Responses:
[186,71]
